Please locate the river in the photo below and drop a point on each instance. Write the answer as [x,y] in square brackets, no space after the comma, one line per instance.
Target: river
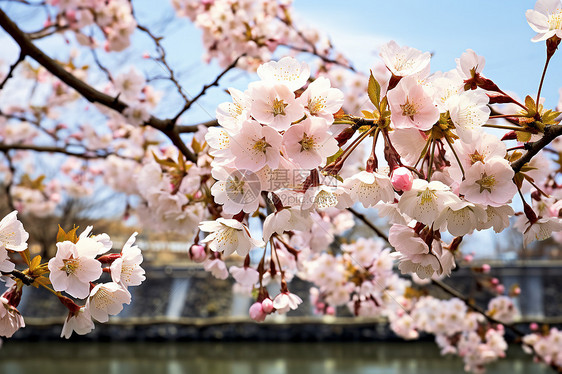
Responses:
[242,358]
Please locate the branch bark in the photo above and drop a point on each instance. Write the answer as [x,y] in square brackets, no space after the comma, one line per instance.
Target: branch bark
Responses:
[550,133]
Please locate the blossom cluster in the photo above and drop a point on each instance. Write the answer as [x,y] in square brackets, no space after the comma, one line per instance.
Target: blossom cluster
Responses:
[114,19]
[457,330]
[253,28]
[546,347]
[77,265]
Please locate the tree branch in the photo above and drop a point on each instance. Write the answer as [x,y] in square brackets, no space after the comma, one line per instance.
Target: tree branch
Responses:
[206,87]
[550,133]
[193,128]
[52,149]
[12,68]
[369,223]
[87,91]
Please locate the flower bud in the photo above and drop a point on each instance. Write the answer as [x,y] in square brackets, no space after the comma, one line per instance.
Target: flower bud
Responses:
[486,268]
[197,253]
[402,179]
[257,313]
[267,306]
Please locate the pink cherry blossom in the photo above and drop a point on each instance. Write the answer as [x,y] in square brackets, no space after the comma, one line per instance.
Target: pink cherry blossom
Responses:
[411,106]
[256,312]
[107,299]
[74,267]
[309,143]
[287,71]
[470,64]
[490,183]
[545,19]
[369,188]
[126,269]
[79,322]
[286,301]
[12,234]
[228,236]
[10,319]
[275,106]
[320,100]
[402,179]
[256,146]
[403,61]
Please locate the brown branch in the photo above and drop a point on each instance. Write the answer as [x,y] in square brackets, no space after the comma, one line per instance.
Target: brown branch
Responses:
[369,224]
[87,91]
[162,58]
[12,68]
[206,87]
[26,279]
[550,133]
[193,128]
[52,149]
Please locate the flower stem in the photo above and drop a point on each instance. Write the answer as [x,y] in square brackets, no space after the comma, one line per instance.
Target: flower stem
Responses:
[456,156]
[548,57]
[513,128]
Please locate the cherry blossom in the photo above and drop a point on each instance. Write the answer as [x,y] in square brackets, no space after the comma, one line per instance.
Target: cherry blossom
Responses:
[107,299]
[256,146]
[12,234]
[320,100]
[10,319]
[229,236]
[74,267]
[545,19]
[425,201]
[309,143]
[489,183]
[287,72]
[369,188]
[79,322]
[470,64]
[411,106]
[403,61]
[126,269]
[275,106]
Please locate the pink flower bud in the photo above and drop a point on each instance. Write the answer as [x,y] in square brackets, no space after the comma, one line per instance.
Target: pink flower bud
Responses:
[197,253]
[534,326]
[257,313]
[516,291]
[495,281]
[486,268]
[402,179]
[330,311]
[468,258]
[267,306]
[500,288]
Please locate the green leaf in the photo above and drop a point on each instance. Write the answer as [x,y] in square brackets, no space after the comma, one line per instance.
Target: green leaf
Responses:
[374,91]
[334,157]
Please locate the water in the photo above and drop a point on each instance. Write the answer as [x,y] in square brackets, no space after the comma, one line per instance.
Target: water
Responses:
[242,358]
